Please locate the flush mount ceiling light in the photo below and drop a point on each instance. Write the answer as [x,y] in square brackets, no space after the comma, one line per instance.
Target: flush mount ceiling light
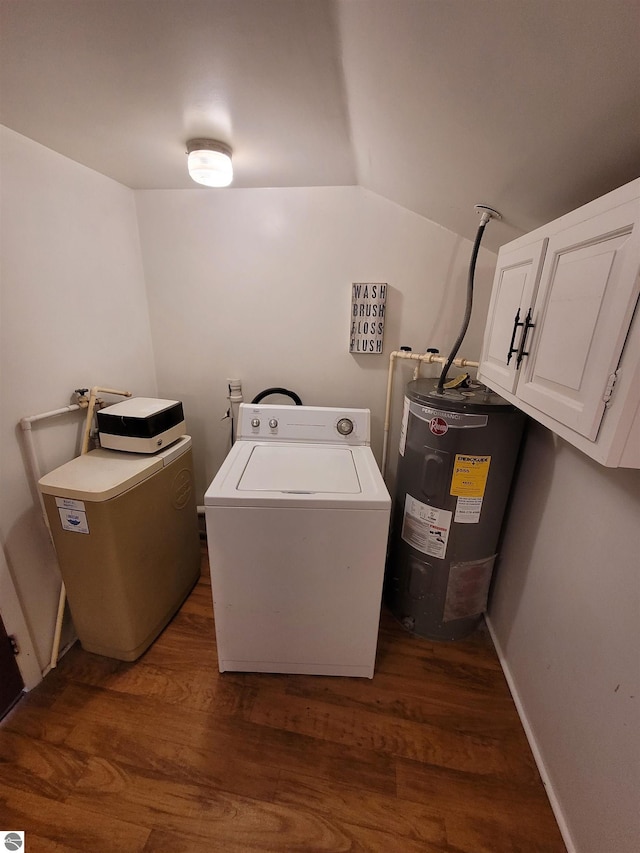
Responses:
[209,162]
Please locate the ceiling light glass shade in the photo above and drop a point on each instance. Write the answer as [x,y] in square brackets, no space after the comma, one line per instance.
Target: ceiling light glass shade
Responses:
[209,162]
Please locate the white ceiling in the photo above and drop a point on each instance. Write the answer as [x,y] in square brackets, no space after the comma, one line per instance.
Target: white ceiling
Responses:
[530,106]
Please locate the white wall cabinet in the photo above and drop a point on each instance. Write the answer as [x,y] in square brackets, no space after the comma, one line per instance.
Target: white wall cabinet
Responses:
[562,340]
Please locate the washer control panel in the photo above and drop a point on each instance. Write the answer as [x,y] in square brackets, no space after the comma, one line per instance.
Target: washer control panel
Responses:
[317,424]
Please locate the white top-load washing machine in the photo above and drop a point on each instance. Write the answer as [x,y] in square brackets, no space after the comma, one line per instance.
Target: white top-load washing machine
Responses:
[297,523]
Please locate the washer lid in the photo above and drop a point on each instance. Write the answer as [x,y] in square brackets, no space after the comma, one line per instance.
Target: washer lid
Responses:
[296,469]
[298,475]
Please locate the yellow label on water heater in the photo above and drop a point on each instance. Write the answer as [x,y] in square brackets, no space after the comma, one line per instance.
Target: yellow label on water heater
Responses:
[469,477]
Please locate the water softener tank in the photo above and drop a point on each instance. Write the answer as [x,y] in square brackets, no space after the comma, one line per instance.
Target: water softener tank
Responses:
[458,450]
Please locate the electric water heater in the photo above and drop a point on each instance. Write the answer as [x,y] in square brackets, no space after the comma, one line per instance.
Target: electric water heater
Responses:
[458,450]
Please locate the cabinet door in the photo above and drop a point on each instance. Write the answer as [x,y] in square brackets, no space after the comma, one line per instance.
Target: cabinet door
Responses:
[585,302]
[514,287]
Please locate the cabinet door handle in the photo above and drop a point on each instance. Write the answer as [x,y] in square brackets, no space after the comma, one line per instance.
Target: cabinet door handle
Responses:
[521,349]
[516,324]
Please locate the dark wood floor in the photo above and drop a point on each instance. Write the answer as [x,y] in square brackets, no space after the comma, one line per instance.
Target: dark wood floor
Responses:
[167,755]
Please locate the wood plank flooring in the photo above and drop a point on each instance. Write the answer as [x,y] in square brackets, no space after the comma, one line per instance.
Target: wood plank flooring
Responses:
[166,754]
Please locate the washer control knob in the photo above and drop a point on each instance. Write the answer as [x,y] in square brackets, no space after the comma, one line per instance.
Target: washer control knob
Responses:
[345,426]
[255,422]
[273,423]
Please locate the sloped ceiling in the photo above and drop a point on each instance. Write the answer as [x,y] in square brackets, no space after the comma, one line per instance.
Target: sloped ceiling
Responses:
[529,106]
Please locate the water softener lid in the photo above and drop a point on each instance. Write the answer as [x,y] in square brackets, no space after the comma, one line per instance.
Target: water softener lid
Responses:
[104,474]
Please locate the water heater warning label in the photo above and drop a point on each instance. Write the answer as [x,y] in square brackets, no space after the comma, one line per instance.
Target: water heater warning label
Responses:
[426,528]
[469,477]
[468,511]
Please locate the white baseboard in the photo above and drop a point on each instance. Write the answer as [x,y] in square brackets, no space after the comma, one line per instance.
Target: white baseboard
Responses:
[537,756]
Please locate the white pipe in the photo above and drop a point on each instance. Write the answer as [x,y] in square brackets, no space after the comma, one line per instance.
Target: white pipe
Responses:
[36,473]
[93,401]
[387,410]
[57,632]
[25,423]
[235,391]
[32,458]
[421,358]
[235,398]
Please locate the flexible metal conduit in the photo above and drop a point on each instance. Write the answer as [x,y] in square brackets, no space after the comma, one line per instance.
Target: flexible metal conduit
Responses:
[420,358]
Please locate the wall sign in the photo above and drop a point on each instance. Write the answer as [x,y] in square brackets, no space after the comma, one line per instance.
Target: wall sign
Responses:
[368,300]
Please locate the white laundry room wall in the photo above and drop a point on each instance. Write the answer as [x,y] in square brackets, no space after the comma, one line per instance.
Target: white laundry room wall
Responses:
[256,285]
[74,314]
[565,614]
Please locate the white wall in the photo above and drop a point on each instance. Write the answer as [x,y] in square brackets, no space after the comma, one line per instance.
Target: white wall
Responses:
[74,314]
[256,284]
[566,616]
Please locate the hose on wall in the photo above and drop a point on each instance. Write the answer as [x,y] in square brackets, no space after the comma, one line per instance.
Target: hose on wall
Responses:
[268,391]
[488,213]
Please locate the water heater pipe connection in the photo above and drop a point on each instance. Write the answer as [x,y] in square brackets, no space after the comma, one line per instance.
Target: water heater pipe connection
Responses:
[421,358]
[488,213]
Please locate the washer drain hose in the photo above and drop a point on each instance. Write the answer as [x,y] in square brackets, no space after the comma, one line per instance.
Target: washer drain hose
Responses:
[268,391]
